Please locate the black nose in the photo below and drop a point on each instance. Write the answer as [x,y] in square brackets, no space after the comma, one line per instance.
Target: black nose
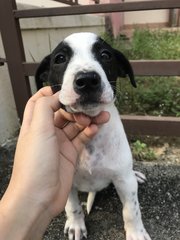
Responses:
[87,82]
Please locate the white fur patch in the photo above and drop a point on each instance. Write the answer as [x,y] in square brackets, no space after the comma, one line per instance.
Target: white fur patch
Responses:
[83,60]
[107,157]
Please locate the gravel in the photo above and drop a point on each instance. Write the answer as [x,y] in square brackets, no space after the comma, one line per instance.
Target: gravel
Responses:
[159,199]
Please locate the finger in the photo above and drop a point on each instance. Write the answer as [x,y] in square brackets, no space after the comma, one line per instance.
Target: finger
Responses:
[102,118]
[83,121]
[72,130]
[84,137]
[46,91]
[61,117]
[28,112]
[43,114]
[43,92]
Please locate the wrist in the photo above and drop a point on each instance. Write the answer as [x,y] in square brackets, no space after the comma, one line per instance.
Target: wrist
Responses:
[22,218]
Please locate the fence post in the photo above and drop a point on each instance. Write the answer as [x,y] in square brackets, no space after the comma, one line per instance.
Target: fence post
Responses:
[14,50]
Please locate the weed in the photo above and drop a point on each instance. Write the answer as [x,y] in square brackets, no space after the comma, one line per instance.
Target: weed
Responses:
[157,44]
[158,96]
[142,152]
[148,44]
[154,95]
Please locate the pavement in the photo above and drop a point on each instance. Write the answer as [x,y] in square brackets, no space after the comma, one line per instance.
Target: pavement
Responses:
[159,198]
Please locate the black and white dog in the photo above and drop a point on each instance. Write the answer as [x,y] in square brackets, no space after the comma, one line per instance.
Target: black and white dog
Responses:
[85,69]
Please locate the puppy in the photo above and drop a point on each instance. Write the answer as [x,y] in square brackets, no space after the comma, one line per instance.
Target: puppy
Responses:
[85,68]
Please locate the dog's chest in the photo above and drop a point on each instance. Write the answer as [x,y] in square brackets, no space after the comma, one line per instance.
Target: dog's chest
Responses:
[98,161]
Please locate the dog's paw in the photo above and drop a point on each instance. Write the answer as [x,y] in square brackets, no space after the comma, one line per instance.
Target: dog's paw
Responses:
[75,229]
[137,235]
[141,178]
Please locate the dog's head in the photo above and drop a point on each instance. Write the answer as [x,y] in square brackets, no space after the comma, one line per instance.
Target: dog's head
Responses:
[85,68]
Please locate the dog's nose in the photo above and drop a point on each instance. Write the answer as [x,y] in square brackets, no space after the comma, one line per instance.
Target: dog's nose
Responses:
[86,82]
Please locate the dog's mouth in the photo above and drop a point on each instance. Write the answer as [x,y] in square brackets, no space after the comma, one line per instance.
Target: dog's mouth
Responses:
[90,109]
[90,103]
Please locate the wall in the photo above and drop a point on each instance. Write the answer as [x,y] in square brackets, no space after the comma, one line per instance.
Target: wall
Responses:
[40,36]
[8,116]
[116,19]
[125,20]
[119,21]
[50,31]
[151,18]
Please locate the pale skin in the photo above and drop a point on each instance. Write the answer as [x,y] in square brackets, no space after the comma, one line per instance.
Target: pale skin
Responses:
[44,165]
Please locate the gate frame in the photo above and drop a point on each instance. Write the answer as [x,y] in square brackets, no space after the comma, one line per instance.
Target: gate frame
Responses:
[20,70]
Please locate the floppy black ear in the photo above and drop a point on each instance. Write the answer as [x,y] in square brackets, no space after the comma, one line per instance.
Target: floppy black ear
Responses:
[42,72]
[125,67]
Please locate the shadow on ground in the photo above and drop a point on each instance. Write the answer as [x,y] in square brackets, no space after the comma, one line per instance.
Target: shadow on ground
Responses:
[159,198]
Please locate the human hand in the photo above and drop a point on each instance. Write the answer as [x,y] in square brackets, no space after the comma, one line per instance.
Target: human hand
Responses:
[47,151]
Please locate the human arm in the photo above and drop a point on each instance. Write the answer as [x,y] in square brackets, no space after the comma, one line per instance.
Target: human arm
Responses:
[44,165]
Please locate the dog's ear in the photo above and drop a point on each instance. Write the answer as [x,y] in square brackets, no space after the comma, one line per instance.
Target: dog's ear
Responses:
[42,72]
[124,67]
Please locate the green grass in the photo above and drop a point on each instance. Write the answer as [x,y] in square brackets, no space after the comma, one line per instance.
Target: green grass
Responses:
[157,96]
[154,95]
[148,44]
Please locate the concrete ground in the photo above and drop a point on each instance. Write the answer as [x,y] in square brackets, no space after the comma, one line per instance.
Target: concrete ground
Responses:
[159,198]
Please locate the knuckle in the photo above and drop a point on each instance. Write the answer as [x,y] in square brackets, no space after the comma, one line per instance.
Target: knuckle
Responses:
[77,127]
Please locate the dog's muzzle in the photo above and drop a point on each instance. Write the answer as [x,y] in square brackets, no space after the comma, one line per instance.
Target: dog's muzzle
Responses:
[87,82]
[91,96]
[88,86]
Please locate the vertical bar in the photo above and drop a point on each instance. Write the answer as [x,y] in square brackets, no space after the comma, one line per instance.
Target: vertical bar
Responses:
[14,50]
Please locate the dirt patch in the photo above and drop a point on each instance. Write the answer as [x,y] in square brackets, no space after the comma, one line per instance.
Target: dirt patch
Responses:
[165,150]
[168,154]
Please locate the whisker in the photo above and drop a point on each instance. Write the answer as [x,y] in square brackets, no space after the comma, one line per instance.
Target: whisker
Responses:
[117,89]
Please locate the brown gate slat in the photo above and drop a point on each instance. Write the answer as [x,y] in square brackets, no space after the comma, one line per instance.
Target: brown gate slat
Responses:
[140,67]
[13,46]
[156,67]
[19,69]
[149,125]
[99,8]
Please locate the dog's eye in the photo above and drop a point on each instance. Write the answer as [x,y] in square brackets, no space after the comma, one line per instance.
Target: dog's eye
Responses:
[59,58]
[106,55]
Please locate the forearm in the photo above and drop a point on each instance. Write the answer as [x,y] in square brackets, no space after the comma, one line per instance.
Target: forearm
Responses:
[21,219]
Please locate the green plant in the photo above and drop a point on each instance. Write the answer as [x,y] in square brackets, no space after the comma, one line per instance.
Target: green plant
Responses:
[155,44]
[142,152]
[148,44]
[158,96]
[154,95]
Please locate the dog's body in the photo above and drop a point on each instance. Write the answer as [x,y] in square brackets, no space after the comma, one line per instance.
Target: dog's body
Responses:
[86,68]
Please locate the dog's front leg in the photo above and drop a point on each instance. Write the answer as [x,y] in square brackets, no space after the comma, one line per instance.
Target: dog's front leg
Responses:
[127,190]
[75,225]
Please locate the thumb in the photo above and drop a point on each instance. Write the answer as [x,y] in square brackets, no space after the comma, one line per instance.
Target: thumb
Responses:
[84,137]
